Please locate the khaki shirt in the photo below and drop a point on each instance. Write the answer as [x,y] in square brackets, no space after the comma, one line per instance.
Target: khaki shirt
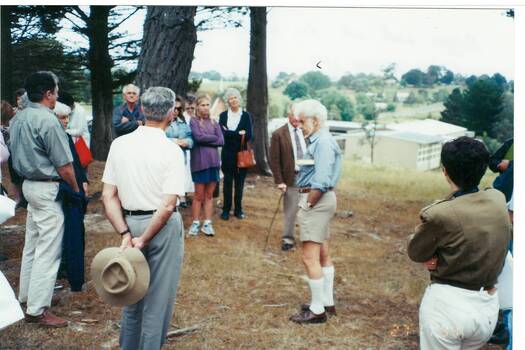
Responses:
[469,234]
[38,143]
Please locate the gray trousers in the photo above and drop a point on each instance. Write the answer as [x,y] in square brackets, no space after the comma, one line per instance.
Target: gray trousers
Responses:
[144,325]
[290,208]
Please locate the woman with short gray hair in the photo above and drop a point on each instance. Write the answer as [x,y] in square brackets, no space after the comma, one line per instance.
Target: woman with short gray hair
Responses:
[235,124]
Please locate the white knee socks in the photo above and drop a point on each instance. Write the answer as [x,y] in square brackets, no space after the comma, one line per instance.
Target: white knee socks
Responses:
[316,288]
[328,285]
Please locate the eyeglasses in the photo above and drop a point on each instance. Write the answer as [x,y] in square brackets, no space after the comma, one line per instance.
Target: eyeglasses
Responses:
[190,107]
[178,108]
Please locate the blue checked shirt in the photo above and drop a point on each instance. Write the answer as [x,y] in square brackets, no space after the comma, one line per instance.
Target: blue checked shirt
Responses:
[326,170]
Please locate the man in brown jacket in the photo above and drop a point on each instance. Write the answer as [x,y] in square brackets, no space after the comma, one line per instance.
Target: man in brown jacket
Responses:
[463,241]
[287,145]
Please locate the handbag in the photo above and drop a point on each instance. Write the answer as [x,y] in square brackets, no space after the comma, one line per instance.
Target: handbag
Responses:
[245,157]
[84,154]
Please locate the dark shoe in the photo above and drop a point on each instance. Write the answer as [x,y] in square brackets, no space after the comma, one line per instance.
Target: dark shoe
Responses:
[308,317]
[330,310]
[286,246]
[240,216]
[183,205]
[47,319]
[225,215]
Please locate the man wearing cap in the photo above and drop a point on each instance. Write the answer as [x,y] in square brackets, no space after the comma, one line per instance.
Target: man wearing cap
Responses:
[128,116]
[41,155]
[287,146]
[463,241]
[317,206]
[140,196]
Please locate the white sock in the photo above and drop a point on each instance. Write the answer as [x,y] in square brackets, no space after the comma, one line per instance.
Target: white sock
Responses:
[316,288]
[328,286]
[206,222]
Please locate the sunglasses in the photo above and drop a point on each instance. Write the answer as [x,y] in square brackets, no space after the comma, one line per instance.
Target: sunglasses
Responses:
[190,107]
[178,108]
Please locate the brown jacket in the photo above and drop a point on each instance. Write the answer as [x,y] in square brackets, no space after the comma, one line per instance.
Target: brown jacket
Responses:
[282,160]
[469,234]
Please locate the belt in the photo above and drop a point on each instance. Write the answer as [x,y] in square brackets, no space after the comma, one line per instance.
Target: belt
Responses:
[141,212]
[308,189]
[44,180]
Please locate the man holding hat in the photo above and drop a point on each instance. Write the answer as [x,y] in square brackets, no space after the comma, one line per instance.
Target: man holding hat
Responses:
[140,196]
[316,180]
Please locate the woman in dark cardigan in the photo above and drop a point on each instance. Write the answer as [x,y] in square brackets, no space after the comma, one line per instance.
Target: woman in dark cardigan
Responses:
[234,124]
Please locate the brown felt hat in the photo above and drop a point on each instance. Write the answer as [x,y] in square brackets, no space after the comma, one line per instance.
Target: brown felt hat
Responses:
[120,277]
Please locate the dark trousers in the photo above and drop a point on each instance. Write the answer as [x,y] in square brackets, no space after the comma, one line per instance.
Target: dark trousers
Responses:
[237,175]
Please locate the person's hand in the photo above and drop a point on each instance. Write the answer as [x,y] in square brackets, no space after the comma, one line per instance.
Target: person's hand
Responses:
[85,187]
[126,242]
[242,132]
[124,120]
[503,165]
[282,187]
[138,242]
[432,263]
[182,143]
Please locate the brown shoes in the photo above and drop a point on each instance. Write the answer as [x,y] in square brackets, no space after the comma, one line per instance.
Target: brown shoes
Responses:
[330,310]
[47,319]
[308,317]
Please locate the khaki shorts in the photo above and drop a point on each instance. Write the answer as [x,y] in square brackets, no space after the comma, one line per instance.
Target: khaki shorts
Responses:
[315,222]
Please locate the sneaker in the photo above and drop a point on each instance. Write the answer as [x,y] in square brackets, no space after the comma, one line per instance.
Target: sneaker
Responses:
[194,229]
[207,229]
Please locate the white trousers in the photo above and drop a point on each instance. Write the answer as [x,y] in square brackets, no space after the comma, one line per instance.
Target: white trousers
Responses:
[43,245]
[456,318]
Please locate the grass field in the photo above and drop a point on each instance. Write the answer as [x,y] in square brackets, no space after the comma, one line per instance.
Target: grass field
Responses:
[240,297]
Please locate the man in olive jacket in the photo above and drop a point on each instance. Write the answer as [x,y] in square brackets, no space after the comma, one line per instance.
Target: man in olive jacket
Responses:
[463,241]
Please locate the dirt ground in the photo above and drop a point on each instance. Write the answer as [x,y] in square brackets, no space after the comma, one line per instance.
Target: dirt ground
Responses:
[240,297]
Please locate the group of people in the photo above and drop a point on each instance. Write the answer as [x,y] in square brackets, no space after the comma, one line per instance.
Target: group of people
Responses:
[200,137]
[462,240]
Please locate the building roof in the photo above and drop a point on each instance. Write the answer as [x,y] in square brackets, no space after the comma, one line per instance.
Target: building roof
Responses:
[428,127]
[411,136]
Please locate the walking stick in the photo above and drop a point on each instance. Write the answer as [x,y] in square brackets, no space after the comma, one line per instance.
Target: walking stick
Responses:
[273,219]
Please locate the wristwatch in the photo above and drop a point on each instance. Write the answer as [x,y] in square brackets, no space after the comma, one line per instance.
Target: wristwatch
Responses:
[124,232]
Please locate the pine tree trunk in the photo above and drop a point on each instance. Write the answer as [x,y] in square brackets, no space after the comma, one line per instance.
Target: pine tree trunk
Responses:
[100,65]
[258,88]
[6,56]
[167,48]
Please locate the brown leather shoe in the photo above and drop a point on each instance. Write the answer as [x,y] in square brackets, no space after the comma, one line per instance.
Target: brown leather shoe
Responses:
[330,310]
[308,317]
[47,319]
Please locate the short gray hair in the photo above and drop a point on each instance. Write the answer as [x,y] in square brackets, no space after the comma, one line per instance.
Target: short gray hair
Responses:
[157,102]
[233,92]
[61,109]
[131,87]
[311,109]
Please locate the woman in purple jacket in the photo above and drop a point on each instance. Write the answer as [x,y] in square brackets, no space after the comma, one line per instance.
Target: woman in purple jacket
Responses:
[205,164]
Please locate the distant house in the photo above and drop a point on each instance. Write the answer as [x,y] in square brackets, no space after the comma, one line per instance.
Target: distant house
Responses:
[381,106]
[396,149]
[401,96]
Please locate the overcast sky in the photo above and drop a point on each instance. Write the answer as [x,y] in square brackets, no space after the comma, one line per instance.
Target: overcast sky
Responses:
[467,41]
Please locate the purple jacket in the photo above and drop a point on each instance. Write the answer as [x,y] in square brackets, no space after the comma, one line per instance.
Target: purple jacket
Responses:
[207,138]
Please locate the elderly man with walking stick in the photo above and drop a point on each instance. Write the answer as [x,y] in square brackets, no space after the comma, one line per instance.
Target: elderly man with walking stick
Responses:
[287,147]
[316,180]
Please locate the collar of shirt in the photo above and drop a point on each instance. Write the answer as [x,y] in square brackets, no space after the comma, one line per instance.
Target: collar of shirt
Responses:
[39,105]
[151,131]
[315,136]
[462,192]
